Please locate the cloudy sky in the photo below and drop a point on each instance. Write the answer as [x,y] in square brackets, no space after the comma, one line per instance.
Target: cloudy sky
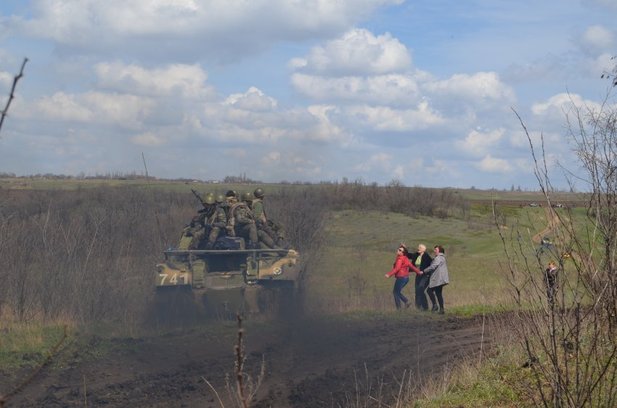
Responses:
[375,90]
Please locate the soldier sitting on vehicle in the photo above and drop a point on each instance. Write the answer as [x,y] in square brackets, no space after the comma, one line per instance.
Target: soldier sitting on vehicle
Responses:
[240,221]
[266,241]
[195,231]
[217,222]
[267,226]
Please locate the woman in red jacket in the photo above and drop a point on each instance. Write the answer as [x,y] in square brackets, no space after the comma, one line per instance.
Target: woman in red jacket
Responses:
[401,272]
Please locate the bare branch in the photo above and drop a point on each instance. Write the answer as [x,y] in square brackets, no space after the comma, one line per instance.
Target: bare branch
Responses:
[12,93]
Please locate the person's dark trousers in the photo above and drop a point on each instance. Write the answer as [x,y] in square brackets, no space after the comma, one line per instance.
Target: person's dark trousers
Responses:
[437,291]
[398,287]
[420,287]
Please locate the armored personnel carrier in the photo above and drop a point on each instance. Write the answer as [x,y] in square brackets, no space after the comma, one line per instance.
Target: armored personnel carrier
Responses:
[225,279]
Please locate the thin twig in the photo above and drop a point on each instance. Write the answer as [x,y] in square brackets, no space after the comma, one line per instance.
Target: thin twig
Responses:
[12,93]
[218,398]
[240,364]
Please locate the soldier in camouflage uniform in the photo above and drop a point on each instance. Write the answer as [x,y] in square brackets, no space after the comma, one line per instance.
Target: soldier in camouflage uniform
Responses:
[217,221]
[268,227]
[195,231]
[265,239]
[240,221]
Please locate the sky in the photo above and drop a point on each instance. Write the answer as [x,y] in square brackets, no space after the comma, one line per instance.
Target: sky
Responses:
[419,92]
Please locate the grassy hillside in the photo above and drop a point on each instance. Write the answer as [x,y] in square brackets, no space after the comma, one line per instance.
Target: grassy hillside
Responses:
[360,247]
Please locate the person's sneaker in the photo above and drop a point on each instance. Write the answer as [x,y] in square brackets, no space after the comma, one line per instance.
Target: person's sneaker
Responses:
[442,311]
[435,308]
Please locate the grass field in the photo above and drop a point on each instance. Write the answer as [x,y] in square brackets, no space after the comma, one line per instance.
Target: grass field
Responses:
[360,249]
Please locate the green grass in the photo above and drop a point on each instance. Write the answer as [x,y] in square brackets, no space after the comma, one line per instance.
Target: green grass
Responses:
[497,381]
[27,345]
[360,248]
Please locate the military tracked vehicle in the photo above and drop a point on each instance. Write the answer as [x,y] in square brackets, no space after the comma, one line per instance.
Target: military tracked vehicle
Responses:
[225,278]
[224,282]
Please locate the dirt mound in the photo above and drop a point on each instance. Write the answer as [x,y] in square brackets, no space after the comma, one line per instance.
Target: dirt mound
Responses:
[309,363]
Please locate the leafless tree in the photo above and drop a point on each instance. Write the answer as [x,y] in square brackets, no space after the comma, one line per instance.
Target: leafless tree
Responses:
[570,336]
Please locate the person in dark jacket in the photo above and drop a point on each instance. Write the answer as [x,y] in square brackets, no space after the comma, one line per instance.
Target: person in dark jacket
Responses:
[421,260]
[400,271]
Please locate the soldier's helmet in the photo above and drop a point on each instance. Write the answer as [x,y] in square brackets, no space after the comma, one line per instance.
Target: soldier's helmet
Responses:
[231,193]
[210,199]
[258,193]
[220,198]
[247,197]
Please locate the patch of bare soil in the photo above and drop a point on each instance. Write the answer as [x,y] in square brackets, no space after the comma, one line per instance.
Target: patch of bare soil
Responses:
[309,363]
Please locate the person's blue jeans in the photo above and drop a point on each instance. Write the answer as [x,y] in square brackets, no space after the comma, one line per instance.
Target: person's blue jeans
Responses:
[399,284]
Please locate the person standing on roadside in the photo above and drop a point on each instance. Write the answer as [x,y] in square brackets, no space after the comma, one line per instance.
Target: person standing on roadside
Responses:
[421,260]
[400,271]
[550,281]
[438,278]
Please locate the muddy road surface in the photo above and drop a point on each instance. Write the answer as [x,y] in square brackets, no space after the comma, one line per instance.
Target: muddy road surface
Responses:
[307,362]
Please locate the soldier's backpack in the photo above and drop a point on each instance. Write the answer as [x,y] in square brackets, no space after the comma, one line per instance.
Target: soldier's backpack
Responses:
[229,243]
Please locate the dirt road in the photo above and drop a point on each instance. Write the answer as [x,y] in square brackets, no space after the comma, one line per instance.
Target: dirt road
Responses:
[309,363]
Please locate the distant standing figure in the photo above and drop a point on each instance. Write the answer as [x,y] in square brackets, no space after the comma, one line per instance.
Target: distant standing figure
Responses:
[438,272]
[400,271]
[550,280]
[421,260]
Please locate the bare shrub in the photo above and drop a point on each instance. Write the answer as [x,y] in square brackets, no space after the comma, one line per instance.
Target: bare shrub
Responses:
[85,255]
[571,341]
[395,197]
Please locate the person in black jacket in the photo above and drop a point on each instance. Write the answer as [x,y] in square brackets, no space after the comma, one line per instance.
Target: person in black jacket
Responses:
[421,260]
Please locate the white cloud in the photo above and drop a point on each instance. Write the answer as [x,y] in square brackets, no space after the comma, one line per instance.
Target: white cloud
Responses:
[6,80]
[148,139]
[558,106]
[271,158]
[176,79]
[479,142]
[238,153]
[325,130]
[398,172]
[357,52]
[482,89]
[494,165]
[442,169]
[216,27]
[252,100]
[597,39]
[378,161]
[93,107]
[395,89]
[288,165]
[384,118]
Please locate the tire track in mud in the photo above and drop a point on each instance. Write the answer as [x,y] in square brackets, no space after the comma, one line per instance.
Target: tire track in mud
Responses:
[309,363]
